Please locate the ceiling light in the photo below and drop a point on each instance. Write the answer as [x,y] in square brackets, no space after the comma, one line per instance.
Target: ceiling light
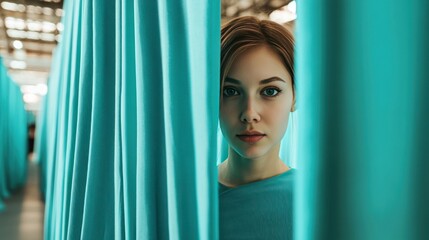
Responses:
[21,8]
[39,89]
[17,64]
[16,23]
[33,35]
[17,44]
[42,88]
[16,33]
[20,24]
[59,12]
[9,6]
[34,25]
[48,27]
[10,22]
[29,89]
[34,9]
[31,98]
[48,11]
[243,4]
[47,37]
[39,10]
[292,7]
[284,14]
[60,27]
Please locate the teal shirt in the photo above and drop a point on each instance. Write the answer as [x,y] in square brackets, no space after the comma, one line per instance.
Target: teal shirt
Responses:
[258,210]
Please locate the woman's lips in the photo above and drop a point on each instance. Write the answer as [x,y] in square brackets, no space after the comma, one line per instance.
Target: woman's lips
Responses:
[250,138]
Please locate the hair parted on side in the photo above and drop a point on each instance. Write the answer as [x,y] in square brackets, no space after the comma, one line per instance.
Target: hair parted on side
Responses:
[243,33]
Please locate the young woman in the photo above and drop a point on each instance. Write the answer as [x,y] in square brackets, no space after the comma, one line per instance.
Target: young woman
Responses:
[257,96]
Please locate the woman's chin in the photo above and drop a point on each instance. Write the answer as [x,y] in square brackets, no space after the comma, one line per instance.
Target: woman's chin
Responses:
[250,153]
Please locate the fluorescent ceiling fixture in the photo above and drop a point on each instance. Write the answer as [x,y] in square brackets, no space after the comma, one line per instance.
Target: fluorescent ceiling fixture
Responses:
[48,27]
[244,4]
[47,37]
[20,24]
[34,25]
[29,89]
[48,11]
[15,23]
[17,64]
[42,88]
[59,12]
[31,98]
[284,14]
[231,11]
[16,33]
[34,9]
[17,44]
[10,22]
[33,35]
[60,27]
[39,89]
[21,8]
[291,7]
[9,6]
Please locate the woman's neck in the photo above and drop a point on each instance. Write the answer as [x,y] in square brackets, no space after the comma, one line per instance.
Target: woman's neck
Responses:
[236,170]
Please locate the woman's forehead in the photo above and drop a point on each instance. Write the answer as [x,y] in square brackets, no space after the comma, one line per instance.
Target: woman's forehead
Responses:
[258,64]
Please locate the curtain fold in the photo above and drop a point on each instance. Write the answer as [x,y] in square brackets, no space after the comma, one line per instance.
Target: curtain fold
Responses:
[131,122]
[13,136]
[361,78]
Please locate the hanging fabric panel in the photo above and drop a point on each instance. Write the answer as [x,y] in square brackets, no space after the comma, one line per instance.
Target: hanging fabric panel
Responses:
[363,155]
[129,145]
[13,136]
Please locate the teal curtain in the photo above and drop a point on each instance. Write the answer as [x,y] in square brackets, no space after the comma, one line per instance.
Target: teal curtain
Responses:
[127,139]
[13,136]
[363,128]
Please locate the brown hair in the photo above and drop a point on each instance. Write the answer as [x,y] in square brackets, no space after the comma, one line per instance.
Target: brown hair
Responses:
[243,33]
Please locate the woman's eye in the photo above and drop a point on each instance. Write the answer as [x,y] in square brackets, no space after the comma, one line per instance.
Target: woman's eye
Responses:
[229,92]
[271,92]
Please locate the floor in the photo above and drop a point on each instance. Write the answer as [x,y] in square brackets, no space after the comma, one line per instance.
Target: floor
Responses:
[23,216]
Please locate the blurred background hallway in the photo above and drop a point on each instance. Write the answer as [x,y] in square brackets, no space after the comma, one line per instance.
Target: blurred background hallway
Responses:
[23,216]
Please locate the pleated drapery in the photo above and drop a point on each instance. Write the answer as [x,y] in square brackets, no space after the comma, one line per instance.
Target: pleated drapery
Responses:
[13,136]
[127,139]
[363,138]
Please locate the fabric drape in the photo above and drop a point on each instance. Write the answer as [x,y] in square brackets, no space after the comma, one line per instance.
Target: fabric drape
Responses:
[13,136]
[362,77]
[128,140]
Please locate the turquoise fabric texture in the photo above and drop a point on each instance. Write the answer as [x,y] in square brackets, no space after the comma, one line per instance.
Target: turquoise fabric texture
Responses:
[362,81]
[127,138]
[258,210]
[13,136]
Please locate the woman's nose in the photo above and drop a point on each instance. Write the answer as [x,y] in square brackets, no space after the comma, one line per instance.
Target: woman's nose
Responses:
[249,113]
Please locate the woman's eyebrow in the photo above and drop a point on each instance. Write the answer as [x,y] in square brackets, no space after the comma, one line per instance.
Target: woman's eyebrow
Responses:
[264,81]
[271,79]
[232,80]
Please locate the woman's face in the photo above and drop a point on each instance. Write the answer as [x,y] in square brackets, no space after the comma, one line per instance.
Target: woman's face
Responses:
[257,97]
